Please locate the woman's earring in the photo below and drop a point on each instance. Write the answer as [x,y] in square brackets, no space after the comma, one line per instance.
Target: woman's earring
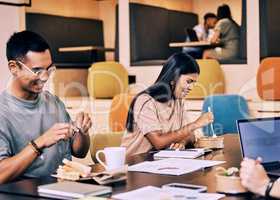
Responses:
[172,85]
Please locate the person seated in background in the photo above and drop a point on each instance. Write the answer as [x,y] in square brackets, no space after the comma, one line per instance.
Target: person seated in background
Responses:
[157,116]
[254,178]
[35,129]
[226,35]
[204,32]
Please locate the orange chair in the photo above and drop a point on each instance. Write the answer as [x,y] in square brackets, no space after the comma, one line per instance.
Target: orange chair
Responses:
[118,112]
[268,79]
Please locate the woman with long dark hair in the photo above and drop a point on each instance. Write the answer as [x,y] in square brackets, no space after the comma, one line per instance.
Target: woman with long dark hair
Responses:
[226,35]
[157,117]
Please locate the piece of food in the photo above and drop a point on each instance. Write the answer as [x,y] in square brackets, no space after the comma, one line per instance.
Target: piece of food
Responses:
[232,171]
[73,170]
[69,175]
[84,170]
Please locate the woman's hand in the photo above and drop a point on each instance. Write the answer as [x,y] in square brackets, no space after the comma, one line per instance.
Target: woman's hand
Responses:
[177,146]
[253,176]
[182,145]
[204,119]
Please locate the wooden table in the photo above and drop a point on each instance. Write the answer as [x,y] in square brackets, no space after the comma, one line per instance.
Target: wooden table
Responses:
[84,48]
[92,49]
[190,44]
[231,154]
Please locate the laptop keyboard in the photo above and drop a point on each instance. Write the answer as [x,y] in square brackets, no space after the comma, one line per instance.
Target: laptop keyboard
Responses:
[274,167]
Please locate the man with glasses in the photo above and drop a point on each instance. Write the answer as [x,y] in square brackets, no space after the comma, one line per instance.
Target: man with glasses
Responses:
[36,131]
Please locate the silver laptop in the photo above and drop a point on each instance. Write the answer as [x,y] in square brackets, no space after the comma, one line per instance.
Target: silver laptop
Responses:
[261,138]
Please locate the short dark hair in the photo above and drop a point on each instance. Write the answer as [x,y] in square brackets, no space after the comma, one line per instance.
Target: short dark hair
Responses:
[224,12]
[209,15]
[21,42]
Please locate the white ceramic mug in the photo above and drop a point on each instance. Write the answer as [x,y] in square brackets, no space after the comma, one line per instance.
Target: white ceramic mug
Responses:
[114,157]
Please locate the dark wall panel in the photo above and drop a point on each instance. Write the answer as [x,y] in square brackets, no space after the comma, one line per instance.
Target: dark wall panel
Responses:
[66,32]
[153,28]
[148,32]
[269,28]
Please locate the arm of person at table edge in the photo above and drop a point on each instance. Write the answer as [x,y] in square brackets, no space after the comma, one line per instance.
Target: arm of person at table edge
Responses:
[14,166]
[254,178]
[185,134]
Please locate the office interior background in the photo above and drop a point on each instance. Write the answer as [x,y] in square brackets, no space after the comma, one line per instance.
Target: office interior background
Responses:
[114,25]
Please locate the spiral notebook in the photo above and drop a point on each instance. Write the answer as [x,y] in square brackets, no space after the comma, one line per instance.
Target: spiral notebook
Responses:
[187,153]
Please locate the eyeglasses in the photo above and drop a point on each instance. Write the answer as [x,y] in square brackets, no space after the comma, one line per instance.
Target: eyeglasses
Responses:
[38,71]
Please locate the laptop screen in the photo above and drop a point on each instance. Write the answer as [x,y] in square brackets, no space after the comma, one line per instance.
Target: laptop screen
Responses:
[192,35]
[260,138]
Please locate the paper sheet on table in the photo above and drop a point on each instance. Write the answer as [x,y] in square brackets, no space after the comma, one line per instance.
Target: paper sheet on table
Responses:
[173,166]
[155,193]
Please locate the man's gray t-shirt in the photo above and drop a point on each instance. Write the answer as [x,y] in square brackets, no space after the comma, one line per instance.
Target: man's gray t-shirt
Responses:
[22,121]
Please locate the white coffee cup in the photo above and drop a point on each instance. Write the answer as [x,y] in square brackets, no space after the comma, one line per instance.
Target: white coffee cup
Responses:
[114,157]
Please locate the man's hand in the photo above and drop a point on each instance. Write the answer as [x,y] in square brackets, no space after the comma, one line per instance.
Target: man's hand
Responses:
[59,131]
[83,122]
[81,140]
[253,176]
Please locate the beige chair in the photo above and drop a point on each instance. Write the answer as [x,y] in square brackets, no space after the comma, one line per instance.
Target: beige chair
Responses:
[70,82]
[101,140]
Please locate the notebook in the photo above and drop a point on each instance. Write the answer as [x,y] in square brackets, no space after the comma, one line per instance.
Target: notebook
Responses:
[72,190]
[187,153]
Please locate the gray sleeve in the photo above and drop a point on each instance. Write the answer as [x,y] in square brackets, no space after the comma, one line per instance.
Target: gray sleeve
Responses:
[223,26]
[5,148]
[219,26]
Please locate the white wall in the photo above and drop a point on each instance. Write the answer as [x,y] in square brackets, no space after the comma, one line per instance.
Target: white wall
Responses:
[12,21]
[107,13]
[201,7]
[183,5]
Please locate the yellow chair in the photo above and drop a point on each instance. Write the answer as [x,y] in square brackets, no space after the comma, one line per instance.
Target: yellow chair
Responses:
[118,112]
[107,79]
[211,80]
[101,140]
